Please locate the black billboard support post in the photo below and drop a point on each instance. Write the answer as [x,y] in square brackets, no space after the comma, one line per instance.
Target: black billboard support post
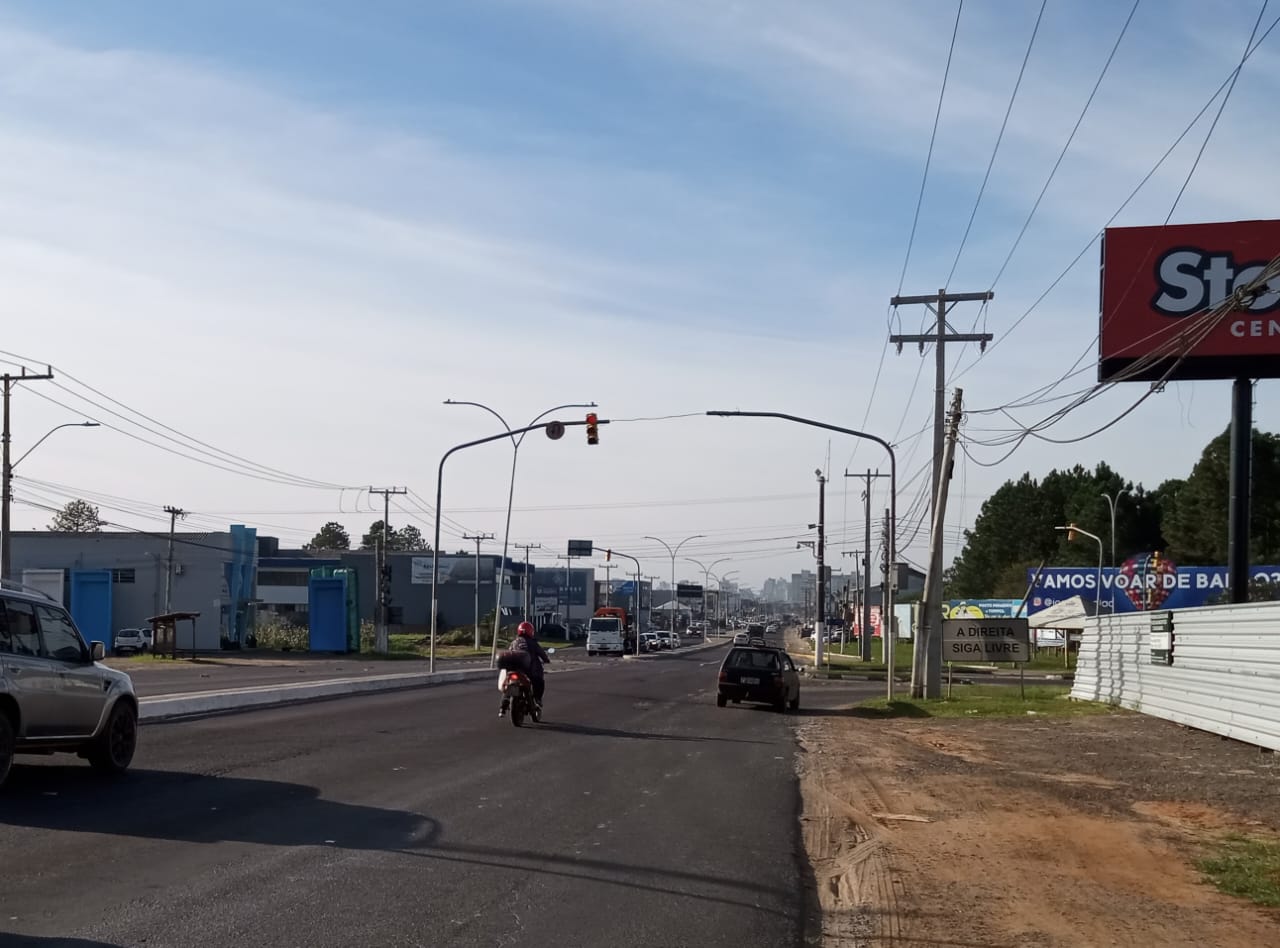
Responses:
[1241,481]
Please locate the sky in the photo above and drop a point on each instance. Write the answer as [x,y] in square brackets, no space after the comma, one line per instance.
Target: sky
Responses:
[263,243]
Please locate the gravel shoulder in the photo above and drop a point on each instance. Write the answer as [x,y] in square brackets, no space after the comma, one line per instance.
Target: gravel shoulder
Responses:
[1035,832]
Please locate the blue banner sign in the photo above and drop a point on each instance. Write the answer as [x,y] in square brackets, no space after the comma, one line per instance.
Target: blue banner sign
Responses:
[1140,584]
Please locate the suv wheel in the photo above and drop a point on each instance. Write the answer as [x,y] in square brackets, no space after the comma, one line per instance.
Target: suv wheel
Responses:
[6,746]
[112,751]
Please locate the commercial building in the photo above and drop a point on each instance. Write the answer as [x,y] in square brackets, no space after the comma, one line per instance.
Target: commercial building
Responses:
[116,580]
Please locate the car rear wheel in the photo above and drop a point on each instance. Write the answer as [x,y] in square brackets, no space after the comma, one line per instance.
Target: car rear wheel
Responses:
[795,702]
[6,746]
[112,751]
[721,701]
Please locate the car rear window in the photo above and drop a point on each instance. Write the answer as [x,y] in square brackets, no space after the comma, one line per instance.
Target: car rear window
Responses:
[751,658]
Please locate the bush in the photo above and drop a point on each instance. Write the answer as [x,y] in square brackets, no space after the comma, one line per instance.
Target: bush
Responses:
[281,636]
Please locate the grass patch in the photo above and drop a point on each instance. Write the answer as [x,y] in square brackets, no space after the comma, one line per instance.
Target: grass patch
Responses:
[849,657]
[983,701]
[1246,867]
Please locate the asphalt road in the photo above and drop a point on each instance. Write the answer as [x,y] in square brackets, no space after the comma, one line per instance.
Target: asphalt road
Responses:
[639,814]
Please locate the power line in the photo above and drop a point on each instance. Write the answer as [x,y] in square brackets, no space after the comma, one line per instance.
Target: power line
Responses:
[924,179]
[996,150]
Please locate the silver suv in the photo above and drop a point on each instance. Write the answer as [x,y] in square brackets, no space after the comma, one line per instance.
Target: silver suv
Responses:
[54,694]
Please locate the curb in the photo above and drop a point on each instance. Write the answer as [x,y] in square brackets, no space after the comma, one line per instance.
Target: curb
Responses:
[170,707]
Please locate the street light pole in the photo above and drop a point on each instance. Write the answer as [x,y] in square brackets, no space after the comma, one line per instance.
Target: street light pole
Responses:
[7,466]
[675,599]
[706,581]
[1071,530]
[891,546]
[511,493]
[724,595]
[435,549]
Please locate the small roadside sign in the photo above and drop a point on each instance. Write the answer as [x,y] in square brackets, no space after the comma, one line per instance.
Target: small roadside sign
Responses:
[986,640]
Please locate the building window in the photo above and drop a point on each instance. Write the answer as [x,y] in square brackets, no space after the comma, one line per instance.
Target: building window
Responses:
[283,577]
[122,575]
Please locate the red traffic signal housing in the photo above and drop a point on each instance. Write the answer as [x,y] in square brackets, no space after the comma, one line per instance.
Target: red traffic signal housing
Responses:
[593,433]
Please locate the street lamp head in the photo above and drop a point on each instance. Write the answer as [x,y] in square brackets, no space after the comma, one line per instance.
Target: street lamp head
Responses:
[90,424]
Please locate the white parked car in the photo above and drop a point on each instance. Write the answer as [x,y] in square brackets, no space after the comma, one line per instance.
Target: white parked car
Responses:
[667,639]
[649,642]
[132,640]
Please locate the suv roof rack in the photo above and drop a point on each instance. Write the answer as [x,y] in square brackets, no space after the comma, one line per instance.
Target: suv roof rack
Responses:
[15,586]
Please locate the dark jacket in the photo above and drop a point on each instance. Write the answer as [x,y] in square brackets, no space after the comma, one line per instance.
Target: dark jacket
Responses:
[537,654]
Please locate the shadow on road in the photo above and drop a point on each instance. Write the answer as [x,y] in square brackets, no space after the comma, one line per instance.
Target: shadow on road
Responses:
[699,887]
[212,809]
[592,731]
[39,941]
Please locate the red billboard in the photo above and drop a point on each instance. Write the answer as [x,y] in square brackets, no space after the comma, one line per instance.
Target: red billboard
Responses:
[1155,279]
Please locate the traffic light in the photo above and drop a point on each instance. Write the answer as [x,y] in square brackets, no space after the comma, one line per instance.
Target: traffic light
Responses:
[593,433]
[608,556]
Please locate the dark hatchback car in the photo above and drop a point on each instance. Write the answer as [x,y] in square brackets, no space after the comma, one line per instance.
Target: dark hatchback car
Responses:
[759,674]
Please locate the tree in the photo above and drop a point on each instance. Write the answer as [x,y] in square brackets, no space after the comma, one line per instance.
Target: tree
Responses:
[373,538]
[410,538]
[1196,509]
[332,536]
[78,516]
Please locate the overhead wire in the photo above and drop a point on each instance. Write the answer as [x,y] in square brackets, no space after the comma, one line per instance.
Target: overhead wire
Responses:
[999,138]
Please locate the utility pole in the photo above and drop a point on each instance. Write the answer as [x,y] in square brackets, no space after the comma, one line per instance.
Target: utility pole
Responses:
[480,538]
[820,607]
[940,336]
[864,621]
[608,582]
[928,650]
[174,513]
[381,644]
[528,592]
[6,490]
[864,641]
[888,634]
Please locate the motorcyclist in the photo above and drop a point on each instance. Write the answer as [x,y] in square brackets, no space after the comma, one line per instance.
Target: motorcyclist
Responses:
[526,644]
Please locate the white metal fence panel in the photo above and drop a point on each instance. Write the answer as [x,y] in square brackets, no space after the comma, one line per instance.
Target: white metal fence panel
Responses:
[1224,678]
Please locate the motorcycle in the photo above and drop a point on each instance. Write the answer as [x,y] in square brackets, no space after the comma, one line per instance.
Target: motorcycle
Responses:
[517,693]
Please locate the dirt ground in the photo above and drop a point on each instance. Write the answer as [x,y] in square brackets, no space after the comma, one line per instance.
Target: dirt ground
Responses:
[1029,833]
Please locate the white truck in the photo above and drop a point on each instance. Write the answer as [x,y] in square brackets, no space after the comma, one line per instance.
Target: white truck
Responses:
[605,636]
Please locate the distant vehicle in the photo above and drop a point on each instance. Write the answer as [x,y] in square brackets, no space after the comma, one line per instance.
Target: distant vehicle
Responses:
[740,638]
[132,640]
[649,642]
[616,612]
[54,693]
[605,636]
[668,640]
[755,630]
[760,675]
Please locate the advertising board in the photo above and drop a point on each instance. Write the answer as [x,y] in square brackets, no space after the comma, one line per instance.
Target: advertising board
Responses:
[1156,279]
[453,569]
[1139,584]
[981,608]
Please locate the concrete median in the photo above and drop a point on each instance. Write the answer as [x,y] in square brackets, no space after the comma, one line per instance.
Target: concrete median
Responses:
[168,707]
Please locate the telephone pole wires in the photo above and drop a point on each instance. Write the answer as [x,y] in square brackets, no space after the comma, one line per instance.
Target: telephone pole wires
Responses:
[864,640]
[381,644]
[941,334]
[174,513]
[6,490]
[480,538]
[927,683]
[528,591]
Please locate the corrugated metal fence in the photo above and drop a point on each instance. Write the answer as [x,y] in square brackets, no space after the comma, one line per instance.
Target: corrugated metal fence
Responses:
[1224,677]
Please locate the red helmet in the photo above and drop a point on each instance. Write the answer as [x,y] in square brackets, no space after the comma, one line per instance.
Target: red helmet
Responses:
[526,630]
